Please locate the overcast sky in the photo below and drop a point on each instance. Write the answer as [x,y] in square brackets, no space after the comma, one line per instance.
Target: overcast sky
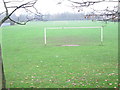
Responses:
[51,6]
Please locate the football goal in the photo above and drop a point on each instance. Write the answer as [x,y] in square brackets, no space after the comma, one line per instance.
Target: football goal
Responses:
[46,29]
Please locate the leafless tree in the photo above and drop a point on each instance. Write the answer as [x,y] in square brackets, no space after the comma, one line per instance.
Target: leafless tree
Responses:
[26,6]
[10,7]
[107,14]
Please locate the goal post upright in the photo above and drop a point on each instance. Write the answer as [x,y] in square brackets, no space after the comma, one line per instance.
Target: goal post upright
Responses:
[45,36]
[101,35]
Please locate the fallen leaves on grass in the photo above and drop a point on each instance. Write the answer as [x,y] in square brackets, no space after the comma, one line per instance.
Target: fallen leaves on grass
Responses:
[106,80]
[33,76]
[22,81]
[110,84]
[99,74]
[96,82]
[26,78]
[31,86]
[111,74]
[84,74]
[119,84]
[83,85]
[11,83]
[68,80]
[50,80]
[97,86]
[74,84]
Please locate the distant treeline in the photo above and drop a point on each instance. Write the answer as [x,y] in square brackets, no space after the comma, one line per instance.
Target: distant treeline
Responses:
[64,16]
[49,17]
[54,17]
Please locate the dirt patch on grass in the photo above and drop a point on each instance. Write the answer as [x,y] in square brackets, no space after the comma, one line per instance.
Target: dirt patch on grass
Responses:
[70,45]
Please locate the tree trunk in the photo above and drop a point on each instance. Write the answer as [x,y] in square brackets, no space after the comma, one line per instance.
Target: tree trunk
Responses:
[3,20]
[2,75]
[0,69]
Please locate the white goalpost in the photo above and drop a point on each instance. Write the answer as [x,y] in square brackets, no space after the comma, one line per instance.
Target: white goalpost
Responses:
[47,28]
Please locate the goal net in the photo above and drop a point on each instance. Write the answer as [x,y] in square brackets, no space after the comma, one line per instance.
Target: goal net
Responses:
[73,35]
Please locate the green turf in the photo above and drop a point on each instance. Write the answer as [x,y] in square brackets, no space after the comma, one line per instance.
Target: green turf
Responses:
[28,63]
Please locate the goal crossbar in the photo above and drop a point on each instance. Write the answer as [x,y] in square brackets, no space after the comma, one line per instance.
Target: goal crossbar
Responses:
[45,31]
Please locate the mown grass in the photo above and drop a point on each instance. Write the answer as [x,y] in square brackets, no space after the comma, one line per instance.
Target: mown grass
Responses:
[28,63]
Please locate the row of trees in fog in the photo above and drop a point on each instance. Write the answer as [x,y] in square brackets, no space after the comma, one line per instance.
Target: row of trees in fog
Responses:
[54,17]
[65,16]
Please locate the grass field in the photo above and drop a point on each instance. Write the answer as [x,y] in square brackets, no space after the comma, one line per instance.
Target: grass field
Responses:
[28,63]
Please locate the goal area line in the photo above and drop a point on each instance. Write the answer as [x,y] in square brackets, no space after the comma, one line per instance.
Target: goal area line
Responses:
[47,28]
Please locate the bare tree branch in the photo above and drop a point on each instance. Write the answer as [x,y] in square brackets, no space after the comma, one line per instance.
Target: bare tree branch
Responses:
[85,3]
[5,8]
[107,14]
[17,22]
[25,6]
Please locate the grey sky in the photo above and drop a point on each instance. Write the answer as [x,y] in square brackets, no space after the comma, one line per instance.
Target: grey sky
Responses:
[51,7]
